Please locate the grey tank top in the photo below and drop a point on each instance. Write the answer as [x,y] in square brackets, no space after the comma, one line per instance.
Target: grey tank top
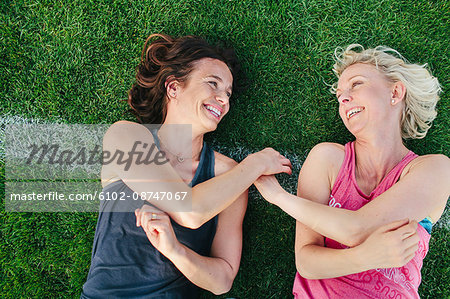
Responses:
[124,264]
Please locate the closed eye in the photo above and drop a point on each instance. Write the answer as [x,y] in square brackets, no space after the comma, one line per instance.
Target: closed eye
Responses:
[356,83]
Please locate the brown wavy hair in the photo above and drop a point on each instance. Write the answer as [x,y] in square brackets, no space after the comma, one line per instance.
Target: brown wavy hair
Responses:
[166,57]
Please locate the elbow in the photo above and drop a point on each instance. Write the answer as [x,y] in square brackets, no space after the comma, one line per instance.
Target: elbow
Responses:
[193,224]
[188,219]
[302,269]
[222,288]
[300,265]
[224,283]
[306,274]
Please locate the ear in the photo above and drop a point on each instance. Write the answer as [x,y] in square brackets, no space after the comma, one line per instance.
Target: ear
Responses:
[398,92]
[172,87]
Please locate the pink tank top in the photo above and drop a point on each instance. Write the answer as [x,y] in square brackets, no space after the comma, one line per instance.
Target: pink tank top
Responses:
[396,283]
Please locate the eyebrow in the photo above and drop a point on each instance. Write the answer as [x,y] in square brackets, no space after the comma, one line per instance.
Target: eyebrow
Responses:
[216,77]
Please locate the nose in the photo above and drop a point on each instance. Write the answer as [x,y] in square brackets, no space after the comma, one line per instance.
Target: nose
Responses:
[222,98]
[345,97]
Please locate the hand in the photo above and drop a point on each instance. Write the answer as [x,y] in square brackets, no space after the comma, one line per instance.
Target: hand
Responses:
[158,229]
[272,161]
[269,187]
[392,245]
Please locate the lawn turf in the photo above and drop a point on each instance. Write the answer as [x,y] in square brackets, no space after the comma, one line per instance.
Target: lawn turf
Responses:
[74,61]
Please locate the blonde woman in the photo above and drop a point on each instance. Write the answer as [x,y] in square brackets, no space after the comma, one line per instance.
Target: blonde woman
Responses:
[351,240]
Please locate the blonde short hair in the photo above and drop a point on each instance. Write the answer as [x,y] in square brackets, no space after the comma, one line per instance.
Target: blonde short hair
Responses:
[422,89]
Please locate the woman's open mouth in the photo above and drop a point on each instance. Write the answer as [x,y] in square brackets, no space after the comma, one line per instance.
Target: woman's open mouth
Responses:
[213,111]
[354,111]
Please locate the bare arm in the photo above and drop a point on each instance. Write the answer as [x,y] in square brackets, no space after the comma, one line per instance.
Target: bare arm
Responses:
[391,245]
[226,187]
[217,272]
[314,261]
[420,193]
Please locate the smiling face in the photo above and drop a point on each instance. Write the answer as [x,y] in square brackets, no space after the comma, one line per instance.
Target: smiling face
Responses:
[364,96]
[204,98]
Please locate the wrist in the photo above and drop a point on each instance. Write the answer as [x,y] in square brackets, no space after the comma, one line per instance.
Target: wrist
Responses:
[359,258]
[252,162]
[278,196]
[177,252]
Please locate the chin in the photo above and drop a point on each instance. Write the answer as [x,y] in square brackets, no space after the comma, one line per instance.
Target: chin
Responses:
[210,127]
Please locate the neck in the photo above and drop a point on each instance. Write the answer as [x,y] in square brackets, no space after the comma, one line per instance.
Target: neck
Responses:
[377,155]
[181,140]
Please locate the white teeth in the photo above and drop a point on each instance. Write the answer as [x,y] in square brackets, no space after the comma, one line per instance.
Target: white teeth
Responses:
[214,110]
[353,111]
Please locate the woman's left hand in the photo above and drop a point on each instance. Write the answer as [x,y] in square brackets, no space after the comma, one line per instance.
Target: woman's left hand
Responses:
[269,187]
[158,228]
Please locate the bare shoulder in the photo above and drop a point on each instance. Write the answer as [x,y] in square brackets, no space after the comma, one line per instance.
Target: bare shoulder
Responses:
[126,131]
[327,155]
[319,171]
[122,126]
[432,172]
[436,164]
[223,163]
[328,151]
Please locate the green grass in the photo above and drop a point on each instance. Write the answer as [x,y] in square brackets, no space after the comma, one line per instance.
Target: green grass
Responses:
[74,62]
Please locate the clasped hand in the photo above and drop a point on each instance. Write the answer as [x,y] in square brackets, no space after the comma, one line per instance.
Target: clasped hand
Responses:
[391,245]
[158,228]
[274,163]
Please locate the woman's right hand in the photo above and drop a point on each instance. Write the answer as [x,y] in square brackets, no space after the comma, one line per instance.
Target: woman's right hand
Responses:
[158,228]
[271,161]
[391,245]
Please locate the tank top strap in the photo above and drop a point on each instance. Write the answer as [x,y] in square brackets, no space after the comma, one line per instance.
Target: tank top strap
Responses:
[346,167]
[394,175]
[205,169]
[346,175]
[154,132]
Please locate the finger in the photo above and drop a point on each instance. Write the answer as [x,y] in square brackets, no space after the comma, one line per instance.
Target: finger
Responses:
[409,258]
[151,216]
[136,213]
[144,218]
[150,230]
[157,226]
[394,225]
[406,231]
[411,240]
[286,169]
[411,249]
[286,162]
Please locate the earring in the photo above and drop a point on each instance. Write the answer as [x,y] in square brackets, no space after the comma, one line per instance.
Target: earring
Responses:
[393,101]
